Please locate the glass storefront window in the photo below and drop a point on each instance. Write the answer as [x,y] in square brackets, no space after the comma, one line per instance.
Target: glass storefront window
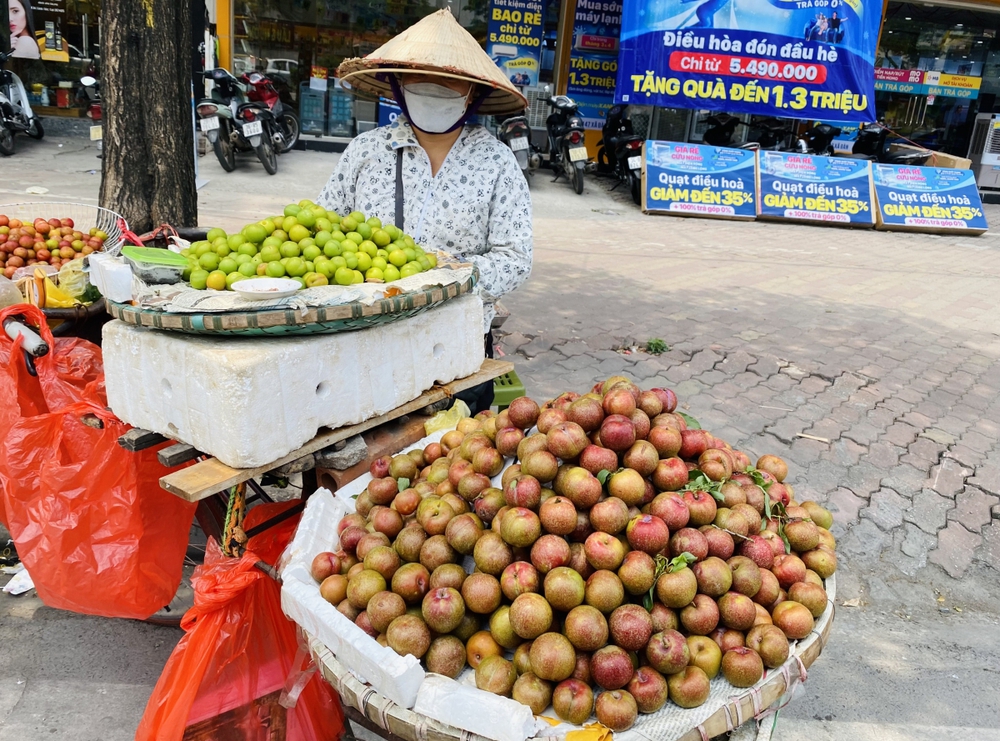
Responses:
[957,48]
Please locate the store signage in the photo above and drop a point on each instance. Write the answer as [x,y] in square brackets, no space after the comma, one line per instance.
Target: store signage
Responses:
[699,180]
[808,187]
[593,62]
[318,78]
[514,39]
[388,112]
[928,199]
[798,59]
[921,82]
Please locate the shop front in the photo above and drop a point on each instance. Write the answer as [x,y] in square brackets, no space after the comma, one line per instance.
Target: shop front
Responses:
[55,43]
[938,67]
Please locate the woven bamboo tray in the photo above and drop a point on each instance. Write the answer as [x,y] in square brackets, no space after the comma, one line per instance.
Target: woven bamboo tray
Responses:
[410,726]
[273,322]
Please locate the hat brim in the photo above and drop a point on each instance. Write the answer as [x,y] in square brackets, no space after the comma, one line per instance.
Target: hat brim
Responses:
[363,75]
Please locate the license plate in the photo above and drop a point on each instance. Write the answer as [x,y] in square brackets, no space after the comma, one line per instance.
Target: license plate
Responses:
[519,143]
[252,129]
[577,153]
[634,163]
[96,133]
[209,124]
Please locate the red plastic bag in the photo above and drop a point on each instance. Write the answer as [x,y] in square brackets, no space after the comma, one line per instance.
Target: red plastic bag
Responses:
[239,653]
[91,524]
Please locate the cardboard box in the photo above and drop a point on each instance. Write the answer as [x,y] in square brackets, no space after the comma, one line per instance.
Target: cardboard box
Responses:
[937,159]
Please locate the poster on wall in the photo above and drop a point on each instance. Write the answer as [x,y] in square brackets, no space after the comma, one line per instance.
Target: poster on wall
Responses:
[699,180]
[787,58]
[934,199]
[36,28]
[808,187]
[514,39]
[593,61]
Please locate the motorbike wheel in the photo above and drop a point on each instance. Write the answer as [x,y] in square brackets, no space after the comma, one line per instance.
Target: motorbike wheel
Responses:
[578,180]
[635,185]
[35,131]
[266,154]
[224,150]
[289,122]
[6,140]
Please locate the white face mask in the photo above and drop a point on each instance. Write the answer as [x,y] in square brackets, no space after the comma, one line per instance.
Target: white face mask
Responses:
[434,108]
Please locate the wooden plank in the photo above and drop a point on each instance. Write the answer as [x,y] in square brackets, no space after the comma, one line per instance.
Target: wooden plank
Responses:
[137,439]
[210,476]
[177,454]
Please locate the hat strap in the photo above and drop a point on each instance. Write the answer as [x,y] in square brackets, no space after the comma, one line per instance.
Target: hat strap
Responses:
[397,93]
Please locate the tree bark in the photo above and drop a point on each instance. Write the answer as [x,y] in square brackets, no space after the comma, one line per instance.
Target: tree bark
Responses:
[148,168]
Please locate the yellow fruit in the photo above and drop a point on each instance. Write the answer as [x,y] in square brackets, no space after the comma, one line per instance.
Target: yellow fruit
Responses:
[262,269]
[358,277]
[390,273]
[397,258]
[249,269]
[214,234]
[234,278]
[364,262]
[369,247]
[373,274]
[298,232]
[364,230]
[379,262]
[216,280]
[381,238]
[354,237]
[292,209]
[352,259]
[229,265]
[288,222]
[256,233]
[248,249]
[316,279]
[348,224]
[306,218]
[357,216]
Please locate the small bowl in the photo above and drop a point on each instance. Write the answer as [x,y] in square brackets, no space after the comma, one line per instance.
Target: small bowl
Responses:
[259,289]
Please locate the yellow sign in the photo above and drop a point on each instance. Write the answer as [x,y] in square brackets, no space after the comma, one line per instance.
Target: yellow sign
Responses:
[966,82]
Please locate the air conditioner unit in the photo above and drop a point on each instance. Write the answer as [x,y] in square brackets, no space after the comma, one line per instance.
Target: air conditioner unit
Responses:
[984,150]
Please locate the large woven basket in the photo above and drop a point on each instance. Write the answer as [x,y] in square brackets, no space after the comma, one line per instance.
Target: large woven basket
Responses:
[284,322]
[740,708]
[84,216]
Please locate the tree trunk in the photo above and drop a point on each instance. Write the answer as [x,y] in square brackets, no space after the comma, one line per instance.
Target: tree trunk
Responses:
[148,168]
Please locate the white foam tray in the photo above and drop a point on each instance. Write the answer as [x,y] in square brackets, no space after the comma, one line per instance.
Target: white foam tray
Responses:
[250,401]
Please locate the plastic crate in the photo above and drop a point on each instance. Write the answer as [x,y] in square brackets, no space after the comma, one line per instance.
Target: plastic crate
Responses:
[312,110]
[341,116]
[506,388]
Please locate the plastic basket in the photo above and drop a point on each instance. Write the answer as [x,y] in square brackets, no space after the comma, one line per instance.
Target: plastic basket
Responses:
[312,110]
[506,388]
[341,119]
[85,217]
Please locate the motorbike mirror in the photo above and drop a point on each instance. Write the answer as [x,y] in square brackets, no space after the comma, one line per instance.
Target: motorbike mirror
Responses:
[88,81]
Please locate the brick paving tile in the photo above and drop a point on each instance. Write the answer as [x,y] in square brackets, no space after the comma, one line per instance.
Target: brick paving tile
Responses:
[828,428]
[712,377]
[904,479]
[900,434]
[916,543]
[881,418]
[956,549]
[988,428]
[766,365]
[678,374]
[949,477]
[885,509]
[844,452]
[844,506]
[924,452]
[779,382]
[577,362]
[929,511]
[910,395]
[939,436]
[990,550]
[896,405]
[976,441]
[966,456]
[987,478]
[862,433]
[704,360]
[536,347]
[804,451]
[813,384]
[972,508]
[863,544]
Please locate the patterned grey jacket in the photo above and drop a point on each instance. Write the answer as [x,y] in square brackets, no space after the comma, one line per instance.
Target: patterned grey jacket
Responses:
[477,207]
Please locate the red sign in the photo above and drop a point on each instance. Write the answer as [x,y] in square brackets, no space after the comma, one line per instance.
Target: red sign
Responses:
[899,75]
[592,42]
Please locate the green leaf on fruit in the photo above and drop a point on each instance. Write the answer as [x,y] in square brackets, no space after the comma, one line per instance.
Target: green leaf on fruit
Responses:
[647,600]
[698,481]
[692,423]
[767,506]
[602,475]
[784,538]
[662,565]
[682,561]
[403,483]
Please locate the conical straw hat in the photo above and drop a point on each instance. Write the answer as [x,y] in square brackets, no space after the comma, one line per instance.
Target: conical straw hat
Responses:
[435,45]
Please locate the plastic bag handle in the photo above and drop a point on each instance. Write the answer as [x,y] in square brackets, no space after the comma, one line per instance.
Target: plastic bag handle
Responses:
[34,315]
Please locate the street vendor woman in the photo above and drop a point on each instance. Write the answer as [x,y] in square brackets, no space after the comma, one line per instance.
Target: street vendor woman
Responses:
[449,184]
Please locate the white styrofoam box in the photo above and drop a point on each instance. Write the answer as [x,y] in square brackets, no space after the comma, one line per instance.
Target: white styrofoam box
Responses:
[111,276]
[250,401]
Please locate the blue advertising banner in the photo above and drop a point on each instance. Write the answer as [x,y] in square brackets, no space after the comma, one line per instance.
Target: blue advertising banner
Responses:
[387,111]
[699,180]
[593,62]
[514,39]
[808,187]
[788,58]
[928,198]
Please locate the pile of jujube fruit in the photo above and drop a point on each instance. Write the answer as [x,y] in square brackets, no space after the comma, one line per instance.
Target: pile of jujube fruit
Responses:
[625,559]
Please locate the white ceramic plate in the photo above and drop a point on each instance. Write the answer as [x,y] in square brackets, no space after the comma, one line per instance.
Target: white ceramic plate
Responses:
[266,288]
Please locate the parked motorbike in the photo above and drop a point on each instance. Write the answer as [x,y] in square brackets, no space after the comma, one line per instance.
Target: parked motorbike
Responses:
[516,134]
[620,151]
[89,98]
[722,126]
[872,143]
[768,133]
[261,89]
[567,152]
[234,124]
[15,109]
[818,140]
